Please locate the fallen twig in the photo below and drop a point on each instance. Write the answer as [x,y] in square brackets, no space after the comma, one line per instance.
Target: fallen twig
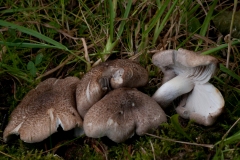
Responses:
[188,143]
[5,154]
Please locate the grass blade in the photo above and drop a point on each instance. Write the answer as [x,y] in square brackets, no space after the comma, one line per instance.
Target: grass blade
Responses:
[206,23]
[33,33]
[125,16]
[177,126]
[233,138]
[229,72]
[19,10]
[16,72]
[155,18]
[27,45]
[218,48]
[158,31]
[112,17]
[230,87]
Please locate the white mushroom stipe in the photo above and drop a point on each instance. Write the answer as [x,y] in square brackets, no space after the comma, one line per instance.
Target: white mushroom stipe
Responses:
[172,89]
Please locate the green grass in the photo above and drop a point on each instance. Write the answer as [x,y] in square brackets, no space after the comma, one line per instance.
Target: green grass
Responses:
[42,39]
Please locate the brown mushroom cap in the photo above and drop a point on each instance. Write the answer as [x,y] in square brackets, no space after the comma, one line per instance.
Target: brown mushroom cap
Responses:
[121,113]
[43,109]
[91,89]
[111,74]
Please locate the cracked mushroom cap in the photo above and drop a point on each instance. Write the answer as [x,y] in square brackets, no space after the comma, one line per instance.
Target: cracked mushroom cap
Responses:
[106,76]
[182,70]
[121,113]
[50,105]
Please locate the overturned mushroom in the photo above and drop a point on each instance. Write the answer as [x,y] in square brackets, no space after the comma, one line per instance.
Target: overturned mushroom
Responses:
[50,105]
[106,76]
[202,105]
[188,72]
[121,113]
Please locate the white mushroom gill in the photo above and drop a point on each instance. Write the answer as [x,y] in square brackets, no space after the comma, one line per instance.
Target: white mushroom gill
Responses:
[203,104]
[199,74]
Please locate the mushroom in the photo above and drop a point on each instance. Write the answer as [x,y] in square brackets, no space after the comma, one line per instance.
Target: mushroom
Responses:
[50,105]
[121,113]
[106,76]
[203,105]
[186,72]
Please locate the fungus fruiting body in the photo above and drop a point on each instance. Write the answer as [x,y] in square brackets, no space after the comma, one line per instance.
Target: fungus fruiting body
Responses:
[122,113]
[50,105]
[186,72]
[106,76]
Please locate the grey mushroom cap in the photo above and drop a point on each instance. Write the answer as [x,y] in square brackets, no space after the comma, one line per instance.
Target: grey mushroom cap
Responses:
[106,76]
[187,73]
[122,113]
[50,105]
[197,67]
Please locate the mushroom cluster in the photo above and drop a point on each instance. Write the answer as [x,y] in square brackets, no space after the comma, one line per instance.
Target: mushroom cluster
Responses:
[186,75]
[104,102]
[93,92]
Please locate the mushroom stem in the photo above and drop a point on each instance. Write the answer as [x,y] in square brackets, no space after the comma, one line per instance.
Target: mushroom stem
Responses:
[172,89]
